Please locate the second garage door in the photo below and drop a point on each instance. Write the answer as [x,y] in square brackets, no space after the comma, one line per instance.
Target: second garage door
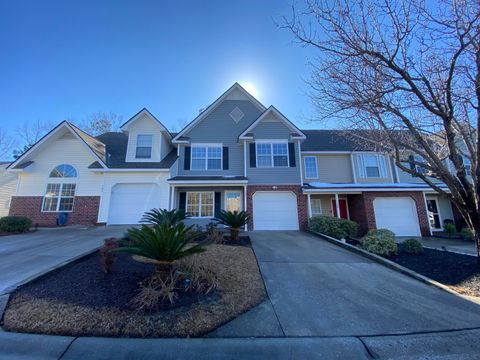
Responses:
[128,202]
[275,211]
[398,215]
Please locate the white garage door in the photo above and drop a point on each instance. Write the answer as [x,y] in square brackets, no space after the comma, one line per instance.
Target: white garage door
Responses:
[398,215]
[275,211]
[128,202]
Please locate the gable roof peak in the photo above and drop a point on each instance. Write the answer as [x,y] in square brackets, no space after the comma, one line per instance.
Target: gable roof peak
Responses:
[138,115]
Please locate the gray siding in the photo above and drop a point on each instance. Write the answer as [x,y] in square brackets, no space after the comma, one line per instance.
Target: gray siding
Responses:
[274,175]
[404,177]
[331,168]
[219,127]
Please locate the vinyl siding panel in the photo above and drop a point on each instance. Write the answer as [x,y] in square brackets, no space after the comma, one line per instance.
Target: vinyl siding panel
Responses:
[146,126]
[269,129]
[219,127]
[331,168]
[388,179]
[8,185]
[65,150]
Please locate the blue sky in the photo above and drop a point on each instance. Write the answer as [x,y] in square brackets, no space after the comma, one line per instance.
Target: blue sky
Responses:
[67,59]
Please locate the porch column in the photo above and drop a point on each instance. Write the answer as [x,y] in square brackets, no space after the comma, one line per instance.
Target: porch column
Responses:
[245,201]
[337,205]
[172,198]
[309,206]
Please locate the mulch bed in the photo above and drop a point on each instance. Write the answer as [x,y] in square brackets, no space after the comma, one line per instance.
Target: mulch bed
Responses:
[227,240]
[461,272]
[80,300]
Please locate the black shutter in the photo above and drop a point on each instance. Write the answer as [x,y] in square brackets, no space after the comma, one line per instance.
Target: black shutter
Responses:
[225,158]
[218,203]
[182,201]
[253,155]
[291,154]
[411,160]
[186,159]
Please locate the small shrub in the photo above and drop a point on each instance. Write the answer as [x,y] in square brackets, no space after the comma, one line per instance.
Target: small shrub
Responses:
[466,233]
[234,220]
[164,216]
[107,257]
[380,242]
[332,226]
[15,224]
[412,246]
[449,229]
[156,290]
[214,236]
[199,279]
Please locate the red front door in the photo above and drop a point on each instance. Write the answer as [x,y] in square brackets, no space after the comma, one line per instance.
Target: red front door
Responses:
[342,203]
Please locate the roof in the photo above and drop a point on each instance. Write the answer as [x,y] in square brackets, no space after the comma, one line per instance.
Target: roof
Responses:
[318,186]
[97,146]
[139,114]
[23,165]
[338,140]
[207,178]
[116,149]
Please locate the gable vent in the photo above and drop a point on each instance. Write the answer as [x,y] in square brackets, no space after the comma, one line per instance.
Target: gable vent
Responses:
[237,114]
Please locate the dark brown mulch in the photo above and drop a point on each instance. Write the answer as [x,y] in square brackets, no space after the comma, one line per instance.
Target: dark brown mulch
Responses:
[242,240]
[461,272]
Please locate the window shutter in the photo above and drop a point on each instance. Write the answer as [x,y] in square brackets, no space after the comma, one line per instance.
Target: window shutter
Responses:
[225,158]
[460,159]
[186,158]
[382,166]
[291,154]
[218,203]
[361,167]
[182,201]
[411,160]
[253,155]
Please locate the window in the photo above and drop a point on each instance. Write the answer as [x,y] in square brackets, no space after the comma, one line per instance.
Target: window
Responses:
[233,201]
[316,205]
[372,166]
[208,157]
[59,197]
[63,171]
[272,154]
[467,164]
[200,204]
[144,147]
[418,168]
[311,167]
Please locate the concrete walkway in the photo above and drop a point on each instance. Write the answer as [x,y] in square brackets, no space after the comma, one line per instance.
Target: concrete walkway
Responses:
[23,257]
[456,245]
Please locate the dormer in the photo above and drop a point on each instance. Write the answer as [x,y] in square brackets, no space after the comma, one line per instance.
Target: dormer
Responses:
[148,139]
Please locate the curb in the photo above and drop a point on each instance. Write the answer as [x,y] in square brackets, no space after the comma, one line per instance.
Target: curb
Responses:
[394,266]
[452,251]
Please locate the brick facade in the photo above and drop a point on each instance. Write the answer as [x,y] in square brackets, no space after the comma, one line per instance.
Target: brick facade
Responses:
[296,189]
[85,210]
[361,209]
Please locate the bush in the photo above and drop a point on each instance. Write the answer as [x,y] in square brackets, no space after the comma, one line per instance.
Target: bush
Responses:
[214,235]
[380,242]
[466,233]
[163,216]
[412,246]
[449,229]
[332,226]
[15,224]
[234,220]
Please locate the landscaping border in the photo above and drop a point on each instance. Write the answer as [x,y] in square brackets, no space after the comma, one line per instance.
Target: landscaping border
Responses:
[394,266]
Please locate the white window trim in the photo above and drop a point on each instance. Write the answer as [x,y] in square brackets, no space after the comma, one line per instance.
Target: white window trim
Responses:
[381,163]
[136,146]
[305,167]
[61,183]
[440,218]
[233,191]
[311,206]
[206,146]
[200,204]
[271,142]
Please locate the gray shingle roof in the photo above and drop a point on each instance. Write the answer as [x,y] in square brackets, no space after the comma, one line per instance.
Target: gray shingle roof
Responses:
[208,178]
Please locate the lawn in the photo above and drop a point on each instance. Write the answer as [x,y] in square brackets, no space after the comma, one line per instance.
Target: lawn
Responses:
[81,300]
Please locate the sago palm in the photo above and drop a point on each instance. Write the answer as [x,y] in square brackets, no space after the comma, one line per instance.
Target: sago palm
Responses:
[163,216]
[234,220]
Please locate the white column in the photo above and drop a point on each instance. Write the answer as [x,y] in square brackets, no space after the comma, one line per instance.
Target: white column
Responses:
[309,206]
[337,205]
[426,210]
[245,201]
[172,199]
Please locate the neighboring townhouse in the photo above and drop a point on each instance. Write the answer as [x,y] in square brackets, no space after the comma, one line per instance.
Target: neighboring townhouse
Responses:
[235,155]
[8,185]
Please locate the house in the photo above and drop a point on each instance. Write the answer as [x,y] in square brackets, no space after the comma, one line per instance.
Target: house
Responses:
[8,185]
[236,155]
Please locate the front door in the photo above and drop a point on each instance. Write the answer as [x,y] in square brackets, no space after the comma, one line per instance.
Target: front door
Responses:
[433,214]
[342,204]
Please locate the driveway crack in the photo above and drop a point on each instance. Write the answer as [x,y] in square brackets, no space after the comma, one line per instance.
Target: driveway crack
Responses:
[67,348]
[366,348]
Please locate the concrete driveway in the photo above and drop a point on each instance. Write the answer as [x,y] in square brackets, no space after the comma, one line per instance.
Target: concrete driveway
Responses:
[319,289]
[23,257]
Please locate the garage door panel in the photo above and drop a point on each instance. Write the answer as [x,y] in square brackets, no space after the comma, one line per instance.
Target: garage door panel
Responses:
[398,215]
[275,211]
[128,202]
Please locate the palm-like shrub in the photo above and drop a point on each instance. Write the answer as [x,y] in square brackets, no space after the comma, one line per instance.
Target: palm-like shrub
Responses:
[162,244]
[234,220]
[163,216]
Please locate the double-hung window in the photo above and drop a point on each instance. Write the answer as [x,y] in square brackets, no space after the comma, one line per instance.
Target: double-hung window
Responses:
[60,194]
[311,171]
[206,157]
[316,206]
[467,164]
[272,154]
[144,147]
[418,168]
[372,166]
[200,204]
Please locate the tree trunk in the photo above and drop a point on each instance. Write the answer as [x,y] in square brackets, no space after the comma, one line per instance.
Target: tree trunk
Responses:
[234,232]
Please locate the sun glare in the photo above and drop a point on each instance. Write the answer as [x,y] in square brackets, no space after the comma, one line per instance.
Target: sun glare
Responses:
[250,88]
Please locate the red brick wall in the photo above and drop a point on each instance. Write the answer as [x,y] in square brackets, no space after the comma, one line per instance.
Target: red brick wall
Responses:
[85,210]
[296,189]
[357,211]
[368,198]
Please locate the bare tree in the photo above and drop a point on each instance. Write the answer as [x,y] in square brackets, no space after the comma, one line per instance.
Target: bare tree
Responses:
[29,133]
[410,70]
[7,142]
[101,122]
